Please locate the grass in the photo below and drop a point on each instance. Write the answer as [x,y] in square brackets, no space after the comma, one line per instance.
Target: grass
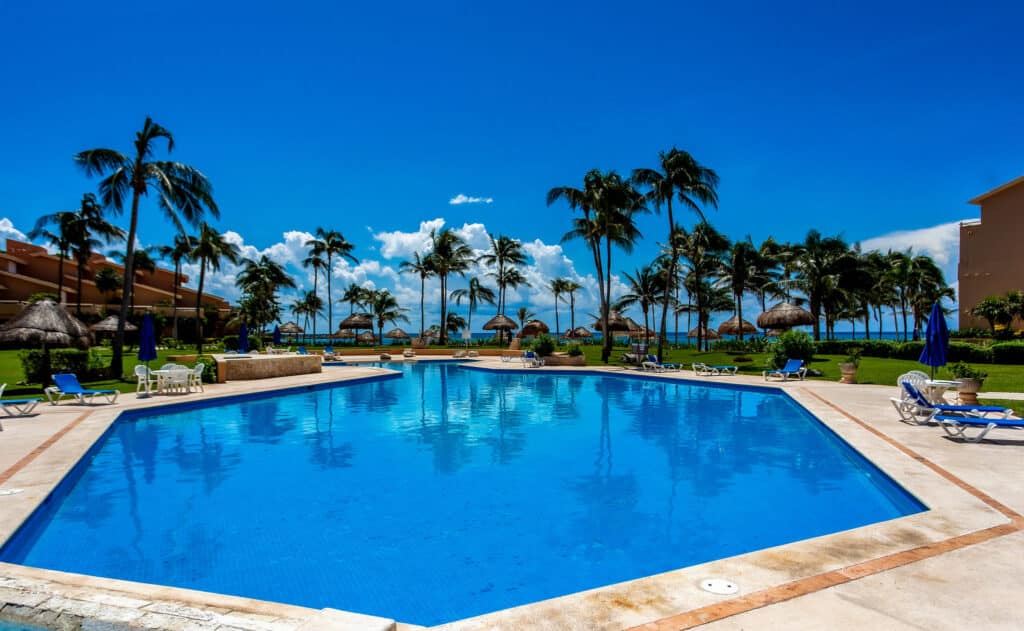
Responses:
[873,370]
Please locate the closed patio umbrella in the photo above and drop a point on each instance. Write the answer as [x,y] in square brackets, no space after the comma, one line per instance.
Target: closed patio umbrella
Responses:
[243,338]
[277,335]
[936,340]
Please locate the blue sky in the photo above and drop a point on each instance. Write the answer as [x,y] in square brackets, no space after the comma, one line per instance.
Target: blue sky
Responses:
[860,118]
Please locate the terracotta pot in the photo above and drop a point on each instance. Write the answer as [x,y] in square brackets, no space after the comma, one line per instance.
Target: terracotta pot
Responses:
[968,389]
[848,372]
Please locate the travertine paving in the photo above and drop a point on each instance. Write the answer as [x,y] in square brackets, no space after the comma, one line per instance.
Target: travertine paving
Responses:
[954,566]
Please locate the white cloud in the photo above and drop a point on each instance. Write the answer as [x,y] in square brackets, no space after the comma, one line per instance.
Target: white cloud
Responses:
[8,231]
[403,245]
[941,242]
[465,199]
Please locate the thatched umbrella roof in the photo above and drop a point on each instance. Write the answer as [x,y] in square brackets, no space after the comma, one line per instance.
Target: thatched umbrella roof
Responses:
[500,323]
[357,321]
[534,327]
[775,332]
[44,323]
[397,334]
[783,316]
[367,337]
[732,326]
[109,325]
[709,334]
[290,328]
[615,322]
[578,333]
[345,334]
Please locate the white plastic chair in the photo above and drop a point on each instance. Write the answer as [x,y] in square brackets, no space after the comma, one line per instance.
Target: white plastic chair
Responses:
[196,377]
[146,381]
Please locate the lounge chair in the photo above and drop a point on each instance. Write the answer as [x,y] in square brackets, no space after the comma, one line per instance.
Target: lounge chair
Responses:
[302,351]
[328,353]
[66,385]
[793,367]
[956,426]
[532,360]
[17,407]
[915,408]
[652,363]
[705,370]
[459,354]
[407,353]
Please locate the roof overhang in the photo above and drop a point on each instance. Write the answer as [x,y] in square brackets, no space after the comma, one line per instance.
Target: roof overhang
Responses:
[999,189]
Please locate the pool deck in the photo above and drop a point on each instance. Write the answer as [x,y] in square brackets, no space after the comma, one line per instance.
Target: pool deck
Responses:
[958,565]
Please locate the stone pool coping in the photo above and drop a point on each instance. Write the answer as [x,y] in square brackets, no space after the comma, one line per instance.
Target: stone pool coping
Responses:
[960,515]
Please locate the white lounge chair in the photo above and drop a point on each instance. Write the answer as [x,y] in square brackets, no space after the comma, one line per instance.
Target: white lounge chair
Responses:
[532,360]
[915,408]
[17,407]
[957,426]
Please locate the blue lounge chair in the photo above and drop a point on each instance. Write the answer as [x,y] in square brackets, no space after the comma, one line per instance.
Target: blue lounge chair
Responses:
[915,408]
[956,426]
[66,385]
[302,351]
[17,407]
[793,367]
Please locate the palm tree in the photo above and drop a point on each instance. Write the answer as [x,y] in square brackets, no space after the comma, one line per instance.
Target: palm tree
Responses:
[182,192]
[450,254]
[334,243]
[65,224]
[310,306]
[421,267]
[476,294]
[454,323]
[608,204]
[317,250]
[571,287]
[384,308]
[89,223]
[260,280]
[524,315]
[180,250]
[210,249]
[108,281]
[993,309]
[558,286]
[505,254]
[681,176]
[645,289]
[738,274]
[143,263]
[818,263]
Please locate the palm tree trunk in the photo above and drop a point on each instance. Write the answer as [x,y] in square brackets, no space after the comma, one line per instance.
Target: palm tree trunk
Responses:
[606,351]
[444,309]
[572,310]
[316,276]
[199,306]
[423,288]
[177,283]
[60,278]
[330,305]
[78,290]
[556,317]
[669,276]
[117,352]
[867,320]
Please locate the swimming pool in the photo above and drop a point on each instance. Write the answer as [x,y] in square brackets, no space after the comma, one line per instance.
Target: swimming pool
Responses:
[452,492]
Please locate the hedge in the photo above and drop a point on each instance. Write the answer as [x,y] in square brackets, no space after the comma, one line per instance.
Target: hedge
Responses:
[1001,353]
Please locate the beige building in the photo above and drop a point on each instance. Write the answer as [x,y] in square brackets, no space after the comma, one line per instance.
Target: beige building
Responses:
[992,249]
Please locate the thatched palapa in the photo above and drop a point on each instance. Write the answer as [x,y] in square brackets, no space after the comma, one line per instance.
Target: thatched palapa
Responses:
[534,327]
[367,337]
[579,333]
[109,325]
[397,334]
[732,326]
[709,334]
[290,328]
[357,321]
[784,316]
[345,334]
[615,322]
[500,323]
[44,323]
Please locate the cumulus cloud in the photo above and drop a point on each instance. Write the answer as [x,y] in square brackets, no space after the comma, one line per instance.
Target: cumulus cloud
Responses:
[941,242]
[402,245]
[8,231]
[465,199]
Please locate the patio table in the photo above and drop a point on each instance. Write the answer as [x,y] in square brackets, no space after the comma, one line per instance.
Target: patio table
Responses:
[167,379]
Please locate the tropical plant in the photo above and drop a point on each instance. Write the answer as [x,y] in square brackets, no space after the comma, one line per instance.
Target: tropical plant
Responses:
[260,280]
[505,254]
[962,370]
[524,315]
[819,263]
[421,267]
[994,310]
[181,191]
[645,289]
[108,282]
[210,250]
[475,294]
[333,244]
[316,262]
[355,296]
[558,286]
[89,223]
[683,177]
[738,274]
[384,309]
[309,306]
[449,254]
[571,287]
[700,251]
[454,323]
[608,204]
[179,251]
[60,238]
[143,263]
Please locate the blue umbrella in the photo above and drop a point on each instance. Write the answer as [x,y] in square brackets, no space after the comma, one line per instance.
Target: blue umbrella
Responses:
[277,335]
[147,340]
[936,340]
[243,339]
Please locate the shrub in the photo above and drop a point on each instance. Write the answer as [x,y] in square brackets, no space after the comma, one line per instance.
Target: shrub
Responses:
[790,345]
[961,370]
[86,365]
[964,352]
[231,343]
[907,350]
[1007,353]
[210,372]
[544,345]
[575,350]
[970,333]
[749,345]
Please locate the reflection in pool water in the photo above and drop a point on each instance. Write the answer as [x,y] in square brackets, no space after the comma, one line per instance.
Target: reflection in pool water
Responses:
[453,492]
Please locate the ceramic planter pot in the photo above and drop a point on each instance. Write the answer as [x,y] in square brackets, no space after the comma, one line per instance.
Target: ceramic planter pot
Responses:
[848,372]
[968,389]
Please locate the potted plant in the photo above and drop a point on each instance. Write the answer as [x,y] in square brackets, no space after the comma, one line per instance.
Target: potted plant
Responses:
[848,367]
[971,380]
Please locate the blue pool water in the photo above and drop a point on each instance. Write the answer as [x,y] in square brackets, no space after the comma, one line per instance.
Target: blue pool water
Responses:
[451,492]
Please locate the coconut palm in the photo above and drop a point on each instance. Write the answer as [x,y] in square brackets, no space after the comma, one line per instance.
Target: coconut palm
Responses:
[182,193]
[454,323]
[608,204]
[700,251]
[738,274]
[334,244]
[475,294]
[177,252]
[108,282]
[571,287]
[355,296]
[309,306]
[558,286]
[260,280]
[89,223]
[315,260]
[143,263]
[818,264]
[524,315]
[645,289]
[210,250]
[64,224]
[421,267]
[449,254]
[683,177]
[993,309]
[384,309]
[504,255]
